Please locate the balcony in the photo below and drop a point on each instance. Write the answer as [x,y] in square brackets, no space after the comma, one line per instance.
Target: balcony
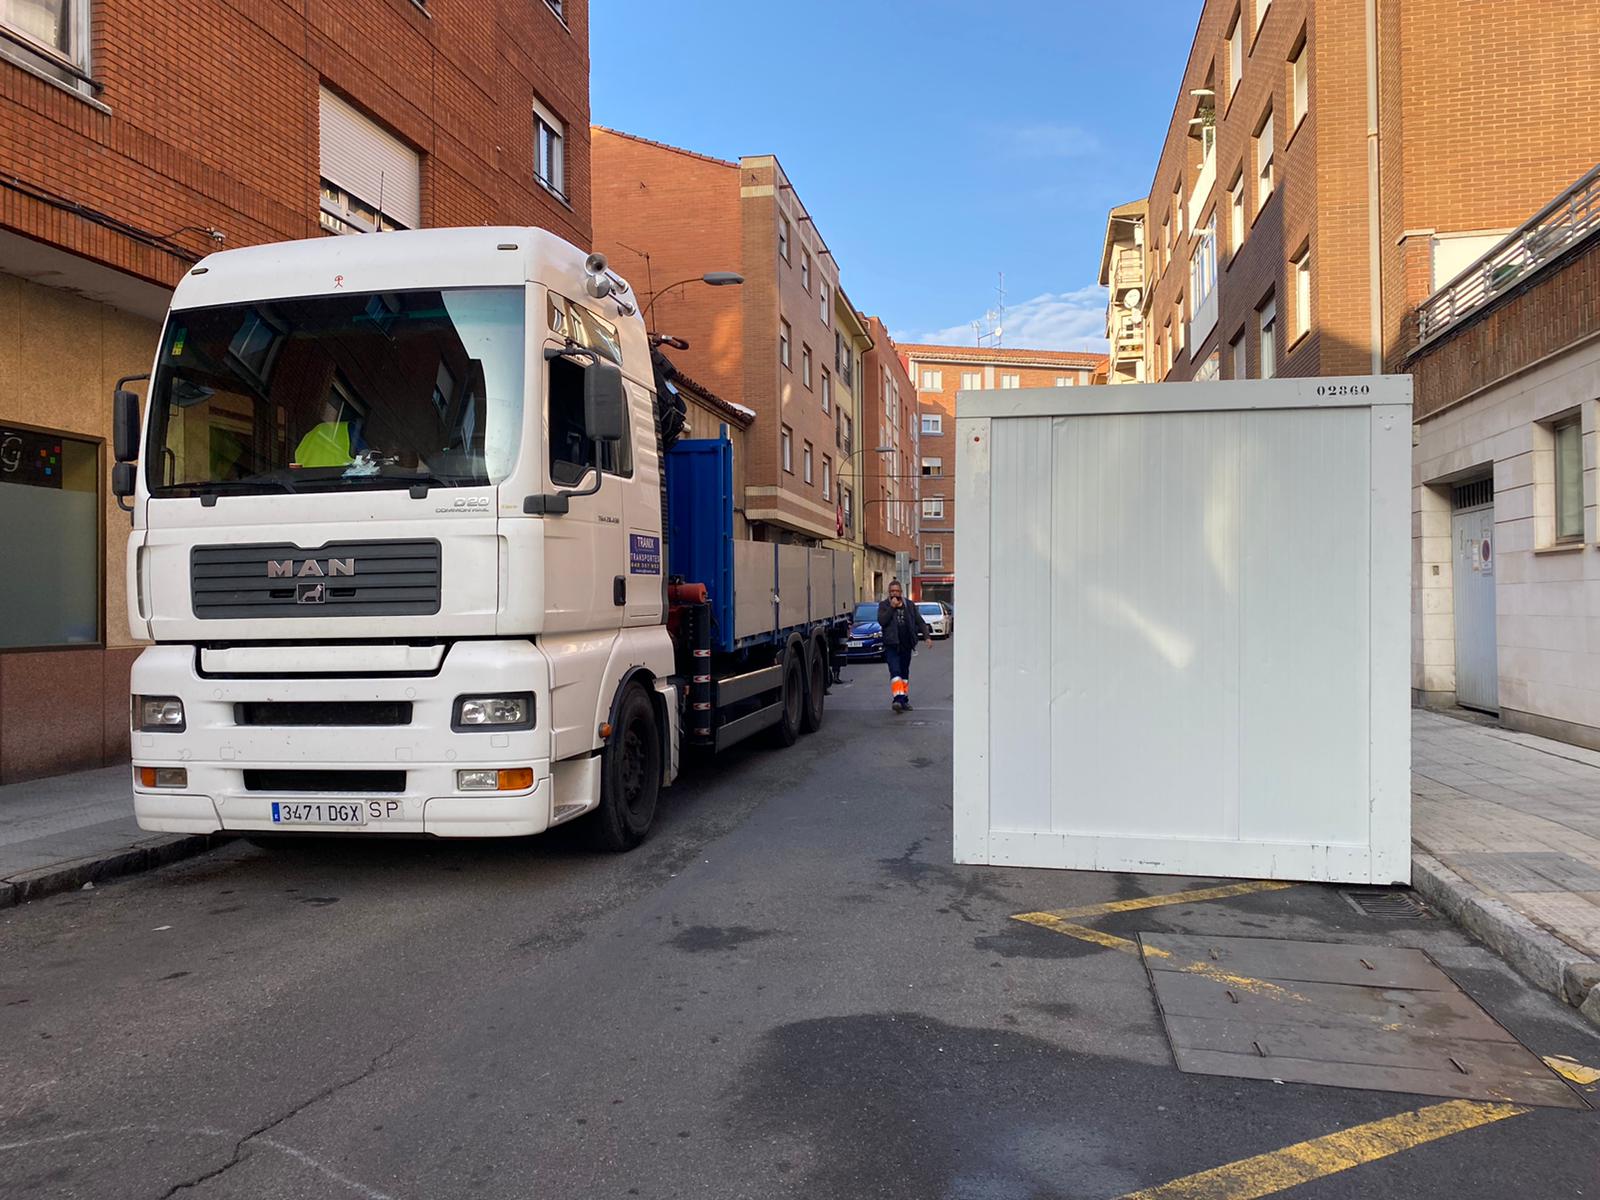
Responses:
[1129,272]
[1566,221]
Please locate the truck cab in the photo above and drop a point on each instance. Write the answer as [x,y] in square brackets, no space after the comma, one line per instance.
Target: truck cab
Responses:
[398,543]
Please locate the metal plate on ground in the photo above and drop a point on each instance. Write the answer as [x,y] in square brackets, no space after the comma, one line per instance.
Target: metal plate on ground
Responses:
[1378,1017]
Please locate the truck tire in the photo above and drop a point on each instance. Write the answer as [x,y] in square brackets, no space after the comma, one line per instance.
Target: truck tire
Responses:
[816,686]
[630,776]
[792,697]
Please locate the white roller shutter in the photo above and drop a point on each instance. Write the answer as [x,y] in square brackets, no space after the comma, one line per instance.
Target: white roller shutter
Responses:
[369,162]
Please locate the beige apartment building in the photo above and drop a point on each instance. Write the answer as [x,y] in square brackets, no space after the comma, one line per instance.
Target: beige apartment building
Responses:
[1122,275]
[939,372]
[666,216]
[851,341]
[1328,165]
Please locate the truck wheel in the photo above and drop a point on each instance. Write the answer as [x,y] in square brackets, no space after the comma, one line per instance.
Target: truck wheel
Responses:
[630,776]
[792,699]
[816,686]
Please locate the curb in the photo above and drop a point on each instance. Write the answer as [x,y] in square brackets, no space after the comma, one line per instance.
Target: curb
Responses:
[129,860]
[1539,956]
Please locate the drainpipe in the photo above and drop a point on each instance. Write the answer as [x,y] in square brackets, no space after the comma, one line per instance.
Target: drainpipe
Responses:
[1374,225]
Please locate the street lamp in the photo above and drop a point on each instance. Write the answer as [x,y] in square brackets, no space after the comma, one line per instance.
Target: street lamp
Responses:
[710,278]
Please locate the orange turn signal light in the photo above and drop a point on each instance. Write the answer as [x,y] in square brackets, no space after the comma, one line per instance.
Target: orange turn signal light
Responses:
[516,779]
[163,777]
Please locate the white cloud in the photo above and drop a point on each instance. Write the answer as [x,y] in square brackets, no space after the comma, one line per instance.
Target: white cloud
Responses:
[1050,321]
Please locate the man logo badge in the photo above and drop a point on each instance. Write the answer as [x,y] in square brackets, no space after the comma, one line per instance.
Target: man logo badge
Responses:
[310,593]
[284,568]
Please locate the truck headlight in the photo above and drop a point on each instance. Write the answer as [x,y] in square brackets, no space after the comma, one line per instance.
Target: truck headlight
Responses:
[514,711]
[158,714]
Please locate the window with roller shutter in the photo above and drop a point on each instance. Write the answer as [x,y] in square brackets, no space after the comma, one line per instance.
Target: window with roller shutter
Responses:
[371,180]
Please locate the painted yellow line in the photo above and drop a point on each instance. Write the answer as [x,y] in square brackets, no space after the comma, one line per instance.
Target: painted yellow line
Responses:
[1268,1174]
[1082,932]
[1195,896]
[1571,1069]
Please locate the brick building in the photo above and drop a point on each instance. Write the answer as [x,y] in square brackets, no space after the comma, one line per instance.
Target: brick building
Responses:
[889,453]
[939,373]
[663,215]
[130,131]
[1282,239]
[1506,573]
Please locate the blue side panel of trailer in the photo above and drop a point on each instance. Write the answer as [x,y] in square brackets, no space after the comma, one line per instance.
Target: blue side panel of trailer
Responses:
[700,525]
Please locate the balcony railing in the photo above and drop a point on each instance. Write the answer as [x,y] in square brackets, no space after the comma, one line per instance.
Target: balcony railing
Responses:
[1130,269]
[1556,228]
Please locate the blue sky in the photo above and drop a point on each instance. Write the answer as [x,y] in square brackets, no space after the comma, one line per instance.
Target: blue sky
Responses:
[936,143]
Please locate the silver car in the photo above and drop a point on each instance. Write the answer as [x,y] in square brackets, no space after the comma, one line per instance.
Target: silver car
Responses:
[937,615]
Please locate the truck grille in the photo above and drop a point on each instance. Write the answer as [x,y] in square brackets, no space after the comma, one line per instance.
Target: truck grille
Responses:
[341,579]
[322,712]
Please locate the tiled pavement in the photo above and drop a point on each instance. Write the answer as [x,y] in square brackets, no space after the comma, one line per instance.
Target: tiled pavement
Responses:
[1515,816]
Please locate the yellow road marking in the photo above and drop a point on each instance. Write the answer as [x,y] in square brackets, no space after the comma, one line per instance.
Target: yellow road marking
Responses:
[1571,1069]
[1221,892]
[1082,932]
[1268,1174]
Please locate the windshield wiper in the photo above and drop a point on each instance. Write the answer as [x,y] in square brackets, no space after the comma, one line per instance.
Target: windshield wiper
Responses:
[214,487]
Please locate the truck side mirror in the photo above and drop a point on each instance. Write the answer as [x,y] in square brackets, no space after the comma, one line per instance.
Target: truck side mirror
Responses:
[122,480]
[605,402]
[125,427]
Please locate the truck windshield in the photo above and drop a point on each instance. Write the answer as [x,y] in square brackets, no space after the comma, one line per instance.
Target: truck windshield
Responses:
[344,391]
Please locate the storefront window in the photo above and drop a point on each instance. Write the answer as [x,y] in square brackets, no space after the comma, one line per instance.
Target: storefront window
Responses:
[49,539]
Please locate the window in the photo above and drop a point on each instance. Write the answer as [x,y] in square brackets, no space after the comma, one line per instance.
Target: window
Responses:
[1210,368]
[1264,174]
[972,381]
[370,179]
[847,429]
[1011,381]
[787,444]
[555,7]
[824,304]
[933,381]
[933,467]
[827,478]
[783,237]
[572,451]
[1235,56]
[51,36]
[1177,209]
[783,342]
[50,508]
[805,269]
[848,501]
[1268,316]
[1203,266]
[1177,327]
[1236,214]
[805,364]
[827,391]
[933,554]
[1569,479]
[549,153]
[1302,294]
[805,459]
[933,423]
[933,508]
[1299,85]
[1237,361]
[1261,12]
[1065,381]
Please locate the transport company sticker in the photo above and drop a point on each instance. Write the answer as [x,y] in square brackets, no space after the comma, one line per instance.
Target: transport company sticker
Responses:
[644,554]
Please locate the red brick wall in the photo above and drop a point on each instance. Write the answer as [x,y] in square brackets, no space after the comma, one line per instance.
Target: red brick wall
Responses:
[213,118]
[877,469]
[1558,309]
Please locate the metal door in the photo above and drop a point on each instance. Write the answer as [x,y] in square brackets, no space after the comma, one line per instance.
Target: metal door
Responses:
[1477,668]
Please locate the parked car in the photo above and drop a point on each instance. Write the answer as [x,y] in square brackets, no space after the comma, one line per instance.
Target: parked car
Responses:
[865,640]
[937,614]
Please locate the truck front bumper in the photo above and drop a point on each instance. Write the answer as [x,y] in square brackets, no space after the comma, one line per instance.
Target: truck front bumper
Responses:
[402,777]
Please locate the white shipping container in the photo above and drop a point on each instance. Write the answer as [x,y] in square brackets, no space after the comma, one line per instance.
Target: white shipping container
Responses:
[1184,618]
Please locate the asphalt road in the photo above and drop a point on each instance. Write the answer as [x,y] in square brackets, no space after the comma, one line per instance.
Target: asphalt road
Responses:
[788,991]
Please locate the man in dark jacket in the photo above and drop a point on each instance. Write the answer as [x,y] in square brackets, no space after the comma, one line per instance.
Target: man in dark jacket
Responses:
[903,628]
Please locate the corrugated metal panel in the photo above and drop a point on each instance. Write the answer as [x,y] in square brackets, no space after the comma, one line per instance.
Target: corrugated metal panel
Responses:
[1182,630]
[365,159]
[700,526]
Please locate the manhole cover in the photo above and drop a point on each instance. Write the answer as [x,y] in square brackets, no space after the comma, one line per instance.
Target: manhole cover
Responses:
[1383,1018]
[1391,903]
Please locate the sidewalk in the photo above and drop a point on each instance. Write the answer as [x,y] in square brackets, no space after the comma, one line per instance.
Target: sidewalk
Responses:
[63,832]
[1506,831]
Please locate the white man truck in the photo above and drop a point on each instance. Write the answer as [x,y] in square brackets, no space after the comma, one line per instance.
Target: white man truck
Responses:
[415,556]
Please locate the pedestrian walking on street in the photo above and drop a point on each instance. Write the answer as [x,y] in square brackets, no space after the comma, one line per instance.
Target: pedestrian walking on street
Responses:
[903,627]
